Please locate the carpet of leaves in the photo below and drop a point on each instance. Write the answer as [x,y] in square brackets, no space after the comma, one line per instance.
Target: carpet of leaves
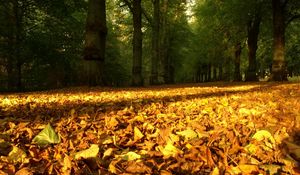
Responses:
[184,129]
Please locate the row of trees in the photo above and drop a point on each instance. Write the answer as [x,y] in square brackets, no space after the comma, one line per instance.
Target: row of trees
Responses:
[256,28]
[135,42]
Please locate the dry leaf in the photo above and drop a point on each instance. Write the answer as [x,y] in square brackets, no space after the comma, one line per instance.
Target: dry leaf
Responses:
[88,153]
[108,153]
[137,134]
[131,156]
[17,155]
[169,150]
[188,134]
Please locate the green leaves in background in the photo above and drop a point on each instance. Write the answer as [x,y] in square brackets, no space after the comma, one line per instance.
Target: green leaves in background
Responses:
[47,136]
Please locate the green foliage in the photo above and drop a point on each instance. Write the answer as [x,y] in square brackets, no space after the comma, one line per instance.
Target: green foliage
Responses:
[48,53]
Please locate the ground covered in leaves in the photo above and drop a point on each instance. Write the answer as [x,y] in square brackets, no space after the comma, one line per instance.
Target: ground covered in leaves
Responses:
[188,129]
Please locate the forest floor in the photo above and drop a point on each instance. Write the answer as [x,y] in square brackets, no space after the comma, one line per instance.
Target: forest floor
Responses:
[212,128]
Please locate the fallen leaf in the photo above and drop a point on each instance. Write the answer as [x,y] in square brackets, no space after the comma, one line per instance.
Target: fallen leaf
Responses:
[47,136]
[215,171]
[17,155]
[137,168]
[169,150]
[243,169]
[67,165]
[24,171]
[108,153]
[262,135]
[137,134]
[88,153]
[188,134]
[131,156]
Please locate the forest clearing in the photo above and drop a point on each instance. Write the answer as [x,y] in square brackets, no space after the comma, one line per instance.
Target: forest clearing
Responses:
[211,128]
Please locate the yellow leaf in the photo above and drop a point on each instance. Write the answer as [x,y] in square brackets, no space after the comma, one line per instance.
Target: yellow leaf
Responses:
[67,165]
[108,153]
[251,148]
[243,169]
[262,135]
[111,122]
[137,134]
[112,167]
[188,134]
[88,153]
[108,140]
[17,155]
[169,150]
[173,138]
[281,135]
[189,146]
[216,171]
[131,156]
[165,172]
[23,171]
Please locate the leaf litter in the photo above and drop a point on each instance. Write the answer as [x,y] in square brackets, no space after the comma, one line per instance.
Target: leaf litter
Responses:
[184,129]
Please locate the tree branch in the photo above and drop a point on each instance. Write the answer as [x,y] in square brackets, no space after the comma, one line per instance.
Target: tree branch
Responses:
[129,5]
[292,19]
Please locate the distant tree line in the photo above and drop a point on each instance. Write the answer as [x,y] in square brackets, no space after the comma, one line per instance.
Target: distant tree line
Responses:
[58,43]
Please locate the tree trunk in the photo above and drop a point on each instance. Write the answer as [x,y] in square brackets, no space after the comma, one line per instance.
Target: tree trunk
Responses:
[17,42]
[209,72]
[237,62]
[215,73]
[137,43]
[253,32]
[155,42]
[168,69]
[95,39]
[220,72]
[278,65]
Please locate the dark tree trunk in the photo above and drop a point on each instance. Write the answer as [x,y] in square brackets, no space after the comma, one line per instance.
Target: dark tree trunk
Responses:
[220,72]
[137,43]
[237,62]
[215,73]
[209,72]
[279,66]
[168,68]
[155,42]
[17,42]
[95,39]
[227,72]
[253,32]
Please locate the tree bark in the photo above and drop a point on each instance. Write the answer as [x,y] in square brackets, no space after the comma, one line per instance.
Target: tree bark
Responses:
[237,62]
[137,43]
[168,68]
[253,32]
[155,42]
[18,16]
[279,65]
[95,41]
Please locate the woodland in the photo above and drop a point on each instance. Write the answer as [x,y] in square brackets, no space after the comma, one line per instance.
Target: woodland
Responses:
[54,44]
[149,87]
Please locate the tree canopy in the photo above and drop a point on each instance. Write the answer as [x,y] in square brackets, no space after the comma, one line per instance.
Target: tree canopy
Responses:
[43,43]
